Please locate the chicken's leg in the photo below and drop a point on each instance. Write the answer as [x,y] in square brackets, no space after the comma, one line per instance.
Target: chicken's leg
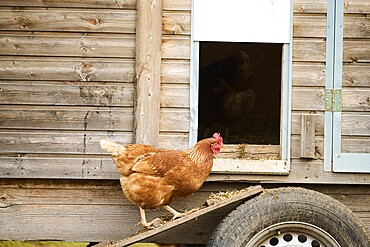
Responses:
[144,223]
[177,214]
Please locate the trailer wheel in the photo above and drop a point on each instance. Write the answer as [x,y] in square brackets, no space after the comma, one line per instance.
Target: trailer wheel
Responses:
[290,217]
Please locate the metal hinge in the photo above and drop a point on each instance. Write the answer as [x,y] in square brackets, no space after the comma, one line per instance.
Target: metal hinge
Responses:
[333,100]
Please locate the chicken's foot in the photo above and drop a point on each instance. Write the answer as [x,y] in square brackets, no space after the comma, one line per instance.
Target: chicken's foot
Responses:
[177,214]
[143,222]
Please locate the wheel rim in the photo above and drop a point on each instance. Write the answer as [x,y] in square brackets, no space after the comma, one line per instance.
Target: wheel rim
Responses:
[293,234]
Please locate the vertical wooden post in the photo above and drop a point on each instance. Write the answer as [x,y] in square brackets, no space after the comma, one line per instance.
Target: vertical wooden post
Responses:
[148,71]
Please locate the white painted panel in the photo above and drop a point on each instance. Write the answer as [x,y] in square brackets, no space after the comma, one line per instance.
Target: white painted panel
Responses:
[242,20]
[265,167]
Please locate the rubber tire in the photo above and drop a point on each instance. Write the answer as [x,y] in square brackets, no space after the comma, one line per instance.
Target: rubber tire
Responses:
[290,204]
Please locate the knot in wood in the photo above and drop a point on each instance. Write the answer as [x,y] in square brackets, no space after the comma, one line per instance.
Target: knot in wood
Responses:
[3,197]
[94,21]
[25,22]
[350,81]
[354,59]
[178,29]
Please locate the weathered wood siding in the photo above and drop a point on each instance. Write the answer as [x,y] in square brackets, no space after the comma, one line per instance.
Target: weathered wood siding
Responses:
[175,89]
[356,82]
[80,210]
[308,82]
[309,77]
[65,84]
[67,80]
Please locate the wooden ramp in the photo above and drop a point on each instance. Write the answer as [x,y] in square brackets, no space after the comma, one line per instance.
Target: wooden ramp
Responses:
[171,229]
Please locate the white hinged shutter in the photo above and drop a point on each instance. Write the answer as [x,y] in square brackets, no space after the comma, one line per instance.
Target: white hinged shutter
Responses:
[242,20]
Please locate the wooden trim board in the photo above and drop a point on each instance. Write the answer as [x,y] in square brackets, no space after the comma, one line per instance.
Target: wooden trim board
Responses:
[237,199]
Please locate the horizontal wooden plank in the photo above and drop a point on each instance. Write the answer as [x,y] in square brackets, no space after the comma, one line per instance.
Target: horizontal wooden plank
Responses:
[113,21]
[309,26]
[67,44]
[37,142]
[76,142]
[57,142]
[178,23]
[175,95]
[66,69]
[356,51]
[173,140]
[121,4]
[356,99]
[174,120]
[175,71]
[66,118]
[356,125]
[59,222]
[176,4]
[247,151]
[44,166]
[67,94]
[356,75]
[309,50]
[309,99]
[78,194]
[356,6]
[309,6]
[356,26]
[350,144]
[175,47]
[310,74]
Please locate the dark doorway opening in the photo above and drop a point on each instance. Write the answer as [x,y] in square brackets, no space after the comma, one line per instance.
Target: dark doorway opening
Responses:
[240,92]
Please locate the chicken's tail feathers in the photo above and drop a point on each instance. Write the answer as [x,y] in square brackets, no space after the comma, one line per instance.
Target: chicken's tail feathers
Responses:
[111,147]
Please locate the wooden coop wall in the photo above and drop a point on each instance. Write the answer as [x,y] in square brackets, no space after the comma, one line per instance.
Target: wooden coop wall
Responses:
[356,78]
[67,80]
[96,210]
[308,93]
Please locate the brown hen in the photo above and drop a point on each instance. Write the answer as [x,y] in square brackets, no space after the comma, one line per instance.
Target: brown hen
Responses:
[152,178]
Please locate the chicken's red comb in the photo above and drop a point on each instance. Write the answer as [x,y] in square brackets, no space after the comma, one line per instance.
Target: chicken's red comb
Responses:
[217,136]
